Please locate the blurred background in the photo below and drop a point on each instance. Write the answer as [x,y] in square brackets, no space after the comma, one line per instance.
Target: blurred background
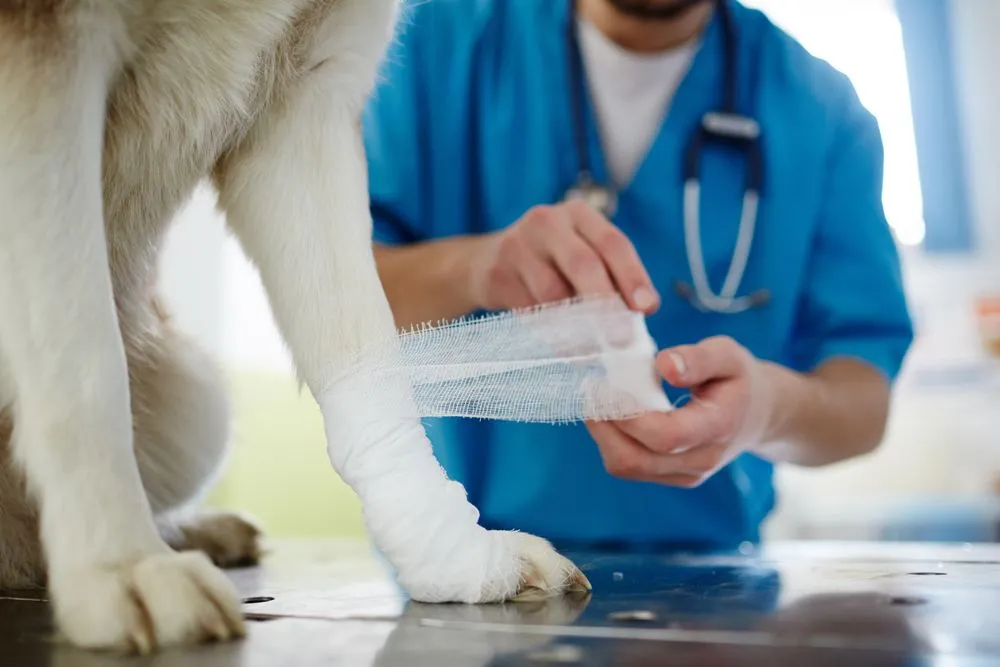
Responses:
[924,68]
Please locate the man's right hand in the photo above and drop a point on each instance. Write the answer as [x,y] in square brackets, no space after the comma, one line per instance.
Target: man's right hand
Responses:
[554,253]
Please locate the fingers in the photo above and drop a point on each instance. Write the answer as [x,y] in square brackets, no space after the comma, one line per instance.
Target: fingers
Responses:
[541,279]
[554,236]
[716,358]
[683,481]
[505,286]
[520,296]
[622,455]
[570,249]
[627,458]
[619,255]
[700,461]
[697,423]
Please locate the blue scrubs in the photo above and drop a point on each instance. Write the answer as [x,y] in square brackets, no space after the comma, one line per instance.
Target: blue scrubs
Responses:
[470,128]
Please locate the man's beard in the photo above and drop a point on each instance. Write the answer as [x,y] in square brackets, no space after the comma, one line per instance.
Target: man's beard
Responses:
[653,10]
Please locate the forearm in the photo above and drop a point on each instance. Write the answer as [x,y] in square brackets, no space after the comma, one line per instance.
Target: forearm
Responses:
[835,413]
[428,281]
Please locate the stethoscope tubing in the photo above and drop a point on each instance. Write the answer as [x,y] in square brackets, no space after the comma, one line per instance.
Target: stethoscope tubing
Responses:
[727,126]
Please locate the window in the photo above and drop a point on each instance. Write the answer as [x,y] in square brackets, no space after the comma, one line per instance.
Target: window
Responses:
[864,40]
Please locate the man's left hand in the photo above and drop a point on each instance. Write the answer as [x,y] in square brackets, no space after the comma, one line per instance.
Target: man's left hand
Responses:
[730,411]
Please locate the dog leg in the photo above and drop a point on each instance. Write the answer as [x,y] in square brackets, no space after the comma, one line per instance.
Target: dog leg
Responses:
[182,425]
[229,539]
[296,196]
[114,582]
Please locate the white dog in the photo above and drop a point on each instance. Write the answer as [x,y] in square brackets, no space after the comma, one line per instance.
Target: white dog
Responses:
[111,112]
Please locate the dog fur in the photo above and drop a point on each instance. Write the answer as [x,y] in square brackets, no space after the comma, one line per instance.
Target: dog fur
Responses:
[112,424]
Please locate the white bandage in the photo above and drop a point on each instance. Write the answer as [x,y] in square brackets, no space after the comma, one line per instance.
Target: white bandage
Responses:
[586,359]
[414,514]
[583,359]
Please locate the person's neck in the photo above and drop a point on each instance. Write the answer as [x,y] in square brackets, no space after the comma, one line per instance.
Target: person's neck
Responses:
[645,36]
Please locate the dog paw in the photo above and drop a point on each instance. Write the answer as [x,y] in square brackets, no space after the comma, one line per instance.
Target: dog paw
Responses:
[162,600]
[544,571]
[230,540]
[539,572]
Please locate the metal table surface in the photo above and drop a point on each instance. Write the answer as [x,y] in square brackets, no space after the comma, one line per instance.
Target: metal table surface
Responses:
[332,603]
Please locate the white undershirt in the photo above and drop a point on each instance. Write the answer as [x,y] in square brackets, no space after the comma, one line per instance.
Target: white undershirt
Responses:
[631,94]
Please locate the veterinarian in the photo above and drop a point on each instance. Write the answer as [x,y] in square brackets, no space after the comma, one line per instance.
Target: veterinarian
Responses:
[689,155]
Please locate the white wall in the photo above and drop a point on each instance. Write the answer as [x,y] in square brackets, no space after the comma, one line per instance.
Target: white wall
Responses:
[944,439]
[215,292]
[975,25]
[191,273]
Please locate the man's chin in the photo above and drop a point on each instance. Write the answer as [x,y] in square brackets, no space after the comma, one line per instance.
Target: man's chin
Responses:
[656,10]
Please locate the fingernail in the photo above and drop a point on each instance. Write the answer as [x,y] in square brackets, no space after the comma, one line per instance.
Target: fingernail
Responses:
[678,363]
[644,298]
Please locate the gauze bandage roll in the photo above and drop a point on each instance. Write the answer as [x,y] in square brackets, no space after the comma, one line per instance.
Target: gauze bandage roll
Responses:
[584,359]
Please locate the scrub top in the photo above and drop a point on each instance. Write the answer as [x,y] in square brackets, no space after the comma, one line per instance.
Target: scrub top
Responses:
[470,126]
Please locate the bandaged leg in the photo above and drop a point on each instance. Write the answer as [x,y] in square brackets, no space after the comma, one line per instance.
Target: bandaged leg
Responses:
[295,194]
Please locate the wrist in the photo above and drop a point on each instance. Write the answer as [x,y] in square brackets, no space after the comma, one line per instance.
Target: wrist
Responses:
[786,391]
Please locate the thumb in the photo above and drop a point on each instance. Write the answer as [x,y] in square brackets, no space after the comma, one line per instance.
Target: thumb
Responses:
[692,365]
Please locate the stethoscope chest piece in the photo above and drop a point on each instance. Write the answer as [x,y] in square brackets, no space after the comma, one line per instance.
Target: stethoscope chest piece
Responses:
[600,198]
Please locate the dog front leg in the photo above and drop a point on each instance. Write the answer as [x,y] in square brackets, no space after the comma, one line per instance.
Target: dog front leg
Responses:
[296,197]
[114,583]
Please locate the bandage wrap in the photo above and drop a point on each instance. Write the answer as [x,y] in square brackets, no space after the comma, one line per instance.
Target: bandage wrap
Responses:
[583,359]
[586,359]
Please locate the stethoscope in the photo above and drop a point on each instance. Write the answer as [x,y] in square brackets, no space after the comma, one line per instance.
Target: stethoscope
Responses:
[727,127]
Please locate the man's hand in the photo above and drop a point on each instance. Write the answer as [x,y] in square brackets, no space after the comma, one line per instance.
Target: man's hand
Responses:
[742,404]
[551,253]
[731,410]
[557,252]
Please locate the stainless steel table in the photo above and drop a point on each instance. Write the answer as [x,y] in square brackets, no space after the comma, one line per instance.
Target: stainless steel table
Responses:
[331,603]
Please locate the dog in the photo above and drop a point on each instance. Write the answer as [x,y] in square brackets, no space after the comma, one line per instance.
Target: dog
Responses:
[112,424]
